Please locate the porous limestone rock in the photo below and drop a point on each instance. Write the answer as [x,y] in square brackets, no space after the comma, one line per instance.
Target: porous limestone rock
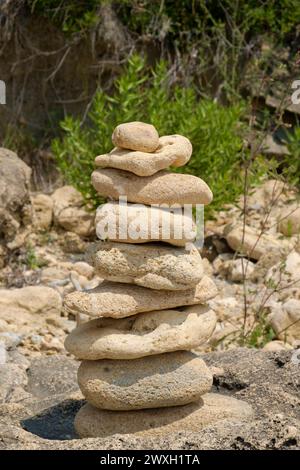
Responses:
[136,136]
[170,379]
[136,223]
[144,334]
[155,266]
[212,407]
[251,242]
[118,300]
[162,188]
[174,150]
[71,213]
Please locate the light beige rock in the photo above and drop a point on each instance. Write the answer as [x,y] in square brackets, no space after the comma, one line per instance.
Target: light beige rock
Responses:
[289,222]
[154,266]
[136,136]
[136,223]
[32,299]
[71,213]
[285,321]
[142,335]
[116,300]
[43,210]
[162,188]
[254,243]
[212,407]
[162,380]
[174,150]
[276,345]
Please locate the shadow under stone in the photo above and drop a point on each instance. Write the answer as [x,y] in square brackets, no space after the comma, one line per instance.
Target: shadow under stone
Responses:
[55,423]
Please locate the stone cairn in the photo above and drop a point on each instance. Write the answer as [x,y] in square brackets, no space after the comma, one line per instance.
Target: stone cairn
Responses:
[137,372]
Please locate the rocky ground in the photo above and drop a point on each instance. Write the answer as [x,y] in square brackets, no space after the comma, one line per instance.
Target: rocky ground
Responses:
[41,397]
[255,262]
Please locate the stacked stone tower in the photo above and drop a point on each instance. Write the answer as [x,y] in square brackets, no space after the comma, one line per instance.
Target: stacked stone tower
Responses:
[137,372]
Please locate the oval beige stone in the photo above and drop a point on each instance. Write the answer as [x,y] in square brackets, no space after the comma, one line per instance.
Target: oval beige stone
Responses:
[162,188]
[136,136]
[170,379]
[142,335]
[211,408]
[136,223]
[152,265]
[116,300]
[173,150]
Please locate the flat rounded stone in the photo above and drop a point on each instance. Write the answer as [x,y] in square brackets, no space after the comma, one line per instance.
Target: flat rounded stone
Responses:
[211,408]
[173,150]
[162,188]
[170,379]
[117,300]
[136,136]
[137,223]
[152,265]
[141,335]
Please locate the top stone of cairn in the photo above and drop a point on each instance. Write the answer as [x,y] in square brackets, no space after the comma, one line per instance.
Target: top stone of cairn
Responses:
[136,136]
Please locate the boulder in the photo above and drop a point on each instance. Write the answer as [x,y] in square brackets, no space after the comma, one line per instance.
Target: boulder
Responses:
[145,334]
[14,192]
[211,408]
[162,188]
[159,381]
[174,150]
[154,266]
[136,136]
[118,300]
[285,321]
[136,223]
[71,213]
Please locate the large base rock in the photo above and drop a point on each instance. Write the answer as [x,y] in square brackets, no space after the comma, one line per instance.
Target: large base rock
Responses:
[92,422]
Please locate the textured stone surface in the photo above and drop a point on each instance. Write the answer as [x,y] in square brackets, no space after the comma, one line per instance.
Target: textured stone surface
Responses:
[32,299]
[136,223]
[142,335]
[253,244]
[92,422]
[14,186]
[268,381]
[173,150]
[70,211]
[152,265]
[163,380]
[118,300]
[162,188]
[136,136]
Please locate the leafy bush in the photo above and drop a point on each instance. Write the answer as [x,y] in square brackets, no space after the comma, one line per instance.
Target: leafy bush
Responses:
[142,94]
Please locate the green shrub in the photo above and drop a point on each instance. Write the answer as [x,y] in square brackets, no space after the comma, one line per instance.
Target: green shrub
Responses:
[142,94]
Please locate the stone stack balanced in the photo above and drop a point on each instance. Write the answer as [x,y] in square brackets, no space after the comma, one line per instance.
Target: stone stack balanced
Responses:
[138,374]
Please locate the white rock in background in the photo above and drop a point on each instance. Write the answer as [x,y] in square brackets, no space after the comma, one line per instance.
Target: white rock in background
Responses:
[43,210]
[276,345]
[71,213]
[253,244]
[285,320]
[33,299]
[289,221]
